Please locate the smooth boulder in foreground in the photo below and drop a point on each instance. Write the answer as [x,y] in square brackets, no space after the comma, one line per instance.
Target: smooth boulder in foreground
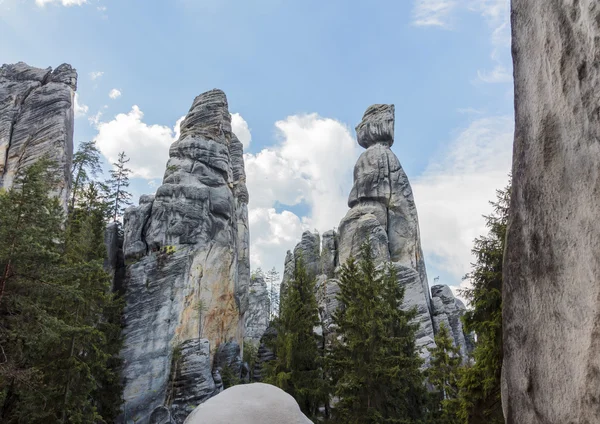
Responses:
[256,403]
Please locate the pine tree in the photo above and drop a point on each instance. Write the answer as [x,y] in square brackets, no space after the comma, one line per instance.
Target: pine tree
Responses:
[86,164]
[374,363]
[118,195]
[443,374]
[54,335]
[480,383]
[297,368]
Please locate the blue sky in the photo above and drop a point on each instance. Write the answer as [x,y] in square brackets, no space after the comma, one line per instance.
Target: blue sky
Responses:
[299,75]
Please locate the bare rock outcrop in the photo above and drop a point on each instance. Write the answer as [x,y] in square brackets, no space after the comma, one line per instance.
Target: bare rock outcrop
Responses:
[551,292]
[448,309]
[257,315]
[256,403]
[187,255]
[36,120]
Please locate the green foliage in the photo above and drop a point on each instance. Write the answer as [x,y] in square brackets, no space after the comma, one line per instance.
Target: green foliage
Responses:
[480,383]
[230,378]
[374,362]
[297,368]
[59,323]
[443,374]
[118,195]
[250,356]
[86,164]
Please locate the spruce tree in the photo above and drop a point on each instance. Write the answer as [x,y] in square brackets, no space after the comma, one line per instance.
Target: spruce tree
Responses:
[443,374]
[86,164]
[480,383]
[297,368]
[374,361]
[54,332]
[118,195]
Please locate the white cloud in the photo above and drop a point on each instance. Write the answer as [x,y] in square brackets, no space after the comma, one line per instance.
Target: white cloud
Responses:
[101,8]
[80,109]
[311,164]
[436,13]
[240,128]
[497,75]
[454,192]
[96,74]
[114,93]
[42,3]
[271,235]
[95,119]
[146,145]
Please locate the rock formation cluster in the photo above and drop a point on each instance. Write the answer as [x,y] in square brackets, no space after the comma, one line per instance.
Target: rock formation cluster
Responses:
[551,293]
[36,121]
[187,269]
[382,213]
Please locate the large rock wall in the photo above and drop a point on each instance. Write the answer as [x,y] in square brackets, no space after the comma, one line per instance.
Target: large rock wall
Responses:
[186,250]
[36,120]
[551,293]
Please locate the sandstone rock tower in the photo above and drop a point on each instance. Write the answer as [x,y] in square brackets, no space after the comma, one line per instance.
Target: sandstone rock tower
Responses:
[187,276]
[551,293]
[382,212]
[36,120]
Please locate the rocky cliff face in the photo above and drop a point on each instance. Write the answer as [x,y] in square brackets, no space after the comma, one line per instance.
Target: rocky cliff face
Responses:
[448,310]
[382,212]
[551,293]
[257,316]
[36,120]
[187,274]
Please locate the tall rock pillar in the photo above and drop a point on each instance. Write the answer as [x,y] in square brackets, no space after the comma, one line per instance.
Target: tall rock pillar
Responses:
[36,120]
[187,277]
[551,292]
[383,212]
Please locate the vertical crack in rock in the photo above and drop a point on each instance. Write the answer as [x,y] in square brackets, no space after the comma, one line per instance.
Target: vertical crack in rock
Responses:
[36,120]
[188,270]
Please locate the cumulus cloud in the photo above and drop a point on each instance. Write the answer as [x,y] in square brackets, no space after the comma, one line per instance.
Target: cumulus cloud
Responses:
[96,74]
[312,165]
[114,93]
[42,3]
[146,145]
[80,109]
[272,234]
[433,13]
[240,128]
[454,192]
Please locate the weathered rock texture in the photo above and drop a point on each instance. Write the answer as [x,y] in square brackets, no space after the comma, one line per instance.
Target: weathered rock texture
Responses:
[383,213]
[36,120]
[551,293]
[256,403]
[257,316]
[187,274]
[448,310]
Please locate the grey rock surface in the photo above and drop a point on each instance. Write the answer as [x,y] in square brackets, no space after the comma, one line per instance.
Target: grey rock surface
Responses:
[289,267]
[36,120]
[265,354]
[228,360]
[192,382]
[551,292]
[448,310]
[187,258]
[377,126]
[309,248]
[257,315]
[255,403]
[329,253]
